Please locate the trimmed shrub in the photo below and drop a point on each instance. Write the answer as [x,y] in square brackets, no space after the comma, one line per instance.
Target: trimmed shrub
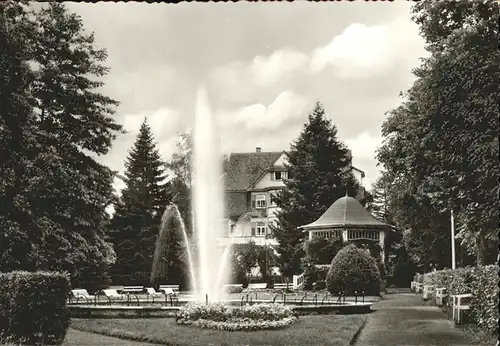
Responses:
[33,307]
[353,270]
[481,282]
[230,318]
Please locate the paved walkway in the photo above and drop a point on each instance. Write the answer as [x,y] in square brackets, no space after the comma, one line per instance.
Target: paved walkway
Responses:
[403,319]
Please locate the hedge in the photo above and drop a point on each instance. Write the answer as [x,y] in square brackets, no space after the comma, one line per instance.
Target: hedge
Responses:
[481,282]
[33,307]
[353,271]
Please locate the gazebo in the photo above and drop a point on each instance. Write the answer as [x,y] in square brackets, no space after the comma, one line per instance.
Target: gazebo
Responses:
[348,220]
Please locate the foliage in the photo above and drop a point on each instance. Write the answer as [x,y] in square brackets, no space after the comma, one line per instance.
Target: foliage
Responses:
[53,122]
[33,307]
[225,317]
[137,216]
[481,282]
[353,271]
[318,164]
[321,250]
[314,277]
[243,258]
[441,145]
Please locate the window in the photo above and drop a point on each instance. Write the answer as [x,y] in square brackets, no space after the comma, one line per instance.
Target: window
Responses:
[279,175]
[261,229]
[260,201]
[231,228]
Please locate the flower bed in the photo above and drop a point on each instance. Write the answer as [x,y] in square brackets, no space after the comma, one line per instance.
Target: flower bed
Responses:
[481,282]
[230,318]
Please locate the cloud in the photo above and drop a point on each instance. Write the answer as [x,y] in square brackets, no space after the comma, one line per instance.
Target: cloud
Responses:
[162,121]
[358,52]
[286,107]
[362,51]
[268,70]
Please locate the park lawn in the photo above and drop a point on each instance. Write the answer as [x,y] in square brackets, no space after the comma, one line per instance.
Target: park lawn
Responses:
[308,330]
[79,338]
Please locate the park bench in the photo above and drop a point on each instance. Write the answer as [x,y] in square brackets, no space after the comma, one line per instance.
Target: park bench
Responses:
[150,291]
[169,289]
[232,288]
[419,287]
[114,295]
[281,286]
[461,304]
[257,286]
[133,289]
[440,295]
[82,294]
[413,286]
[427,292]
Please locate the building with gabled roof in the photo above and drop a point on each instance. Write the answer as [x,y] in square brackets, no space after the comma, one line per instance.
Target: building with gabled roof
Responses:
[251,181]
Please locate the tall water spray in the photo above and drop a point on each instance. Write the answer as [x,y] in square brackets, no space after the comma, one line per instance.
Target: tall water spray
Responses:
[208,201]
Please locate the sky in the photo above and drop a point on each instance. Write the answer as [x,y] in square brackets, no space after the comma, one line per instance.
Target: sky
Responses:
[263,66]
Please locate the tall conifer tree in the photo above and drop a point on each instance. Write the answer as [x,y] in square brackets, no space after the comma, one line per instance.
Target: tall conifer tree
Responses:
[137,218]
[319,166]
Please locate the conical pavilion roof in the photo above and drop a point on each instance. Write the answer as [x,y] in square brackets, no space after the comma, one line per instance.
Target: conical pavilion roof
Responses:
[346,212]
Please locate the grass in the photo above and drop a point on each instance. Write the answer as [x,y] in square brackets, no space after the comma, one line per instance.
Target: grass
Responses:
[79,338]
[308,330]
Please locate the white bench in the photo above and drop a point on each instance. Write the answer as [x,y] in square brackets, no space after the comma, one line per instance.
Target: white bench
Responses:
[257,286]
[419,287]
[114,295]
[81,293]
[461,303]
[427,292]
[440,294]
[413,285]
[150,291]
[133,289]
[281,286]
[169,289]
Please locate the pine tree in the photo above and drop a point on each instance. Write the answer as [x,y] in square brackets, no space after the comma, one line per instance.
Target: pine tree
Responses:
[137,217]
[319,174]
[54,194]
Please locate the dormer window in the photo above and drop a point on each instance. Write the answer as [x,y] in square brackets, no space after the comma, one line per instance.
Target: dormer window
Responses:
[279,175]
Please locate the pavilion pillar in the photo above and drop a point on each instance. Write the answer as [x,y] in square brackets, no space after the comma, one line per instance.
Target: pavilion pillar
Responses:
[344,236]
[382,246]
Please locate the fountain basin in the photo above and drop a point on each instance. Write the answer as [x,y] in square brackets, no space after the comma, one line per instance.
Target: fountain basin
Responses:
[150,311]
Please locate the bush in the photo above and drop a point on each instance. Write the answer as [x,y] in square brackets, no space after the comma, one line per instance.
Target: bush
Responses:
[313,276]
[481,282]
[33,307]
[353,270]
[230,318]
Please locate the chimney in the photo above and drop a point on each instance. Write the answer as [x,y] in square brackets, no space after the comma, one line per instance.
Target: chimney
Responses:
[258,149]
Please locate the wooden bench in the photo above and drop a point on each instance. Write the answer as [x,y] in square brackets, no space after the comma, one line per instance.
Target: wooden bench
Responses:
[282,286]
[169,289]
[81,293]
[114,295]
[440,294]
[257,286]
[461,303]
[133,289]
[150,291]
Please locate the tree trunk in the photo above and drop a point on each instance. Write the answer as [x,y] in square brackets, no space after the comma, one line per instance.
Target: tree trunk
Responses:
[480,249]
